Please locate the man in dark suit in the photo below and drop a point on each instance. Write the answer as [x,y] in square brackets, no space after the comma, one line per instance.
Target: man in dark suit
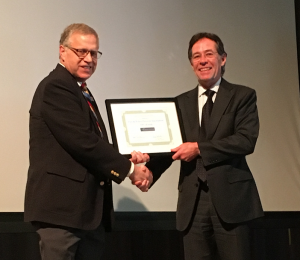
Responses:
[217,193]
[69,188]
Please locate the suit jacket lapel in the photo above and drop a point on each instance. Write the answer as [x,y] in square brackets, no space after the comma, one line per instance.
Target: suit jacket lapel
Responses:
[222,100]
[100,120]
[192,112]
[61,69]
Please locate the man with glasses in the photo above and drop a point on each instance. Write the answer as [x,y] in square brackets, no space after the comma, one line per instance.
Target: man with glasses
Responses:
[69,188]
[217,193]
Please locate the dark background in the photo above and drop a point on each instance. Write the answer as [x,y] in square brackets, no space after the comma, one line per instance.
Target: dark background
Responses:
[152,235]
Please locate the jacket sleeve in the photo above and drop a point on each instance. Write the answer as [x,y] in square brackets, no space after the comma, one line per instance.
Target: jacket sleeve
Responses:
[158,165]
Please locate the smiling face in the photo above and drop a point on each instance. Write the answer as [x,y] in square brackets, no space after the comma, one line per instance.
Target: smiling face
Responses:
[206,62]
[80,68]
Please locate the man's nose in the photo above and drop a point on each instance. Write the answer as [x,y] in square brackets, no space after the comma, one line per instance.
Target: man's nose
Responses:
[203,61]
[88,57]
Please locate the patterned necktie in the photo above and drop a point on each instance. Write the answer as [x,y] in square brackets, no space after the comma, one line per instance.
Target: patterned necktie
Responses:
[206,111]
[90,100]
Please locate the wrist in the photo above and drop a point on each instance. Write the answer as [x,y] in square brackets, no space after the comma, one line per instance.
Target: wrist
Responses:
[131,170]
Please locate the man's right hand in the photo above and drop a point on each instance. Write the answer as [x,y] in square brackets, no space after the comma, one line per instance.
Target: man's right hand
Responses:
[141,177]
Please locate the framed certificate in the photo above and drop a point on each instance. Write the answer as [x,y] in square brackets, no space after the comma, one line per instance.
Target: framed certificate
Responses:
[150,125]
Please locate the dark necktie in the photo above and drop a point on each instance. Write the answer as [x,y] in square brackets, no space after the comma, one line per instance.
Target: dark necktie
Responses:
[90,102]
[206,111]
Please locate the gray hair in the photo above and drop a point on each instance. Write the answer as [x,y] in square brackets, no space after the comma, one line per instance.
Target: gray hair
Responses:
[76,28]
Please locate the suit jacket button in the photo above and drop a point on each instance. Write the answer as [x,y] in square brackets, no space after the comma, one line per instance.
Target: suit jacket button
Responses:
[101,183]
[196,185]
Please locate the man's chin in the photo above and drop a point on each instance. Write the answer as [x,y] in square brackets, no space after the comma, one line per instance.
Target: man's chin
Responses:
[206,83]
[82,78]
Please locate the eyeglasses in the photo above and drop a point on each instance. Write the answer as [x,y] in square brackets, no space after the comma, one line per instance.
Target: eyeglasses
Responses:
[82,53]
[207,54]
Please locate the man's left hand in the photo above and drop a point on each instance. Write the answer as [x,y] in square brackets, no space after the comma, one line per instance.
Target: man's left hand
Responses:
[186,151]
[138,157]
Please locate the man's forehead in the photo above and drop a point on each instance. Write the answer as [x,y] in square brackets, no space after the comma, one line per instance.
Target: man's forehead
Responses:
[205,44]
[79,35]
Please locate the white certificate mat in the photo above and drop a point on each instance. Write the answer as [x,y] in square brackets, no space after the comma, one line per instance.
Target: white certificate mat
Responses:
[147,125]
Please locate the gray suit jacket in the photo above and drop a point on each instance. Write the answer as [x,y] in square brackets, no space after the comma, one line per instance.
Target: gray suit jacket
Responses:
[232,135]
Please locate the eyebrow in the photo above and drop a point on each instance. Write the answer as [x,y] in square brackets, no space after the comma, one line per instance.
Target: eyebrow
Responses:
[197,52]
[204,51]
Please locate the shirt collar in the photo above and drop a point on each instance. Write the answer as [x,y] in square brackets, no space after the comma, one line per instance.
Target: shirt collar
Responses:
[78,82]
[215,87]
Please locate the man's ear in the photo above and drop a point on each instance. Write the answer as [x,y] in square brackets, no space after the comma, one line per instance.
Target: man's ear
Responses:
[223,59]
[62,53]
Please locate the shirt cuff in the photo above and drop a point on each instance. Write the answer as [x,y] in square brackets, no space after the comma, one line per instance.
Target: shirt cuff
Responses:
[131,169]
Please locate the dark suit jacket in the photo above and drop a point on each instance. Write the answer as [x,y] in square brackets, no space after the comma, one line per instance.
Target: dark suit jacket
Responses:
[232,135]
[71,165]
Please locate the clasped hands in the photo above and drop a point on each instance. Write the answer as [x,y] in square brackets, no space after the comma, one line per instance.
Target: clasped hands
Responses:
[141,177]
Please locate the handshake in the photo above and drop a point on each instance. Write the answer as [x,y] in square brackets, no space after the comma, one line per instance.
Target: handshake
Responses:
[141,177]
